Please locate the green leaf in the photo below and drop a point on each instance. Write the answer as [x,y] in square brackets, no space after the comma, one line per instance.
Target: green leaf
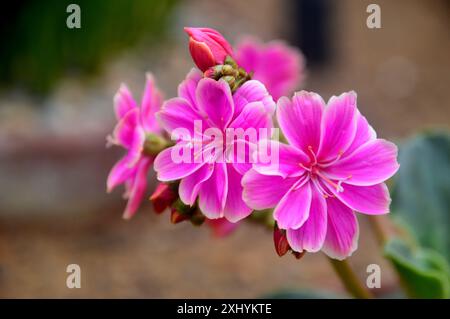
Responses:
[421,193]
[423,272]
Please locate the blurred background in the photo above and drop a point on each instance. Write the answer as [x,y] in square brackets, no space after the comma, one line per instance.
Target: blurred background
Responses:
[56,90]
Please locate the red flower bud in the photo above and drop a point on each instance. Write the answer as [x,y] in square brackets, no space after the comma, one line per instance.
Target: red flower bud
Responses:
[162,197]
[280,241]
[177,217]
[208,47]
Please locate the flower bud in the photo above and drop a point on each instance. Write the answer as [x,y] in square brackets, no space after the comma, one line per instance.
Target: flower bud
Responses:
[163,197]
[177,217]
[280,241]
[207,47]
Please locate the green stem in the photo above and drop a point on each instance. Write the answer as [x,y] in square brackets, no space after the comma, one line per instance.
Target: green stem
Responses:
[349,279]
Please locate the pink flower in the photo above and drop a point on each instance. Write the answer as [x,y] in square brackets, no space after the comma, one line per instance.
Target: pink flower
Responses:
[208,47]
[134,123]
[278,66]
[334,165]
[216,183]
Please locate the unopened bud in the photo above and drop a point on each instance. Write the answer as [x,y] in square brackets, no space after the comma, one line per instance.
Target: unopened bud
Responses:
[177,217]
[163,196]
[280,241]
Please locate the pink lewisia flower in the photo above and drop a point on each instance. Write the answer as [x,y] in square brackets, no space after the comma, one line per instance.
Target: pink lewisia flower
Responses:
[334,165]
[278,66]
[134,123]
[217,184]
[208,47]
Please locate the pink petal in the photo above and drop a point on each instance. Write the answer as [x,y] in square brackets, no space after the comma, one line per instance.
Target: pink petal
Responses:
[342,230]
[311,235]
[364,134]
[338,126]
[213,192]
[123,101]
[221,227]
[287,163]
[125,128]
[137,145]
[300,119]
[190,185]
[177,113]
[240,153]
[253,91]
[235,208]
[186,89]
[151,103]
[293,209]
[254,117]
[215,101]
[202,55]
[259,191]
[168,170]
[120,172]
[137,191]
[372,163]
[372,200]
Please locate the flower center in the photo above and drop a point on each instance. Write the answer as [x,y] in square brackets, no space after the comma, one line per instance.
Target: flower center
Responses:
[315,173]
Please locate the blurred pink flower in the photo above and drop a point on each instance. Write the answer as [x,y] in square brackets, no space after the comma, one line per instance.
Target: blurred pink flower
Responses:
[278,66]
[210,102]
[221,227]
[334,165]
[134,123]
[208,47]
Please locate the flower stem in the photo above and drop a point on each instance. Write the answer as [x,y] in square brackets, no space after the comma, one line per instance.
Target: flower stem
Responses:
[351,282]
[378,228]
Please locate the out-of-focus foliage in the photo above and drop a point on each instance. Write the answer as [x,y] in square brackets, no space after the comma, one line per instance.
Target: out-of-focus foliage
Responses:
[302,294]
[421,195]
[424,272]
[37,47]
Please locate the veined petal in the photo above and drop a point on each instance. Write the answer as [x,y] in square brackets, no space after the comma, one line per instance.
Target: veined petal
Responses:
[342,230]
[253,91]
[151,103]
[300,119]
[168,169]
[213,192]
[338,127]
[259,191]
[293,209]
[137,191]
[287,163]
[364,134]
[120,172]
[235,208]
[254,117]
[177,113]
[190,185]
[311,236]
[123,101]
[124,131]
[372,163]
[214,100]
[186,89]
[372,200]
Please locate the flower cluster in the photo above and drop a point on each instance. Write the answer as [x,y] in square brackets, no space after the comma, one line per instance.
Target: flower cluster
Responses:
[224,161]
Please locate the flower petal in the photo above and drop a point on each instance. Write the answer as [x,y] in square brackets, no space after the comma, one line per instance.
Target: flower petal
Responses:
[364,134]
[221,227]
[235,208]
[342,230]
[151,103]
[213,192]
[214,100]
[123,101]
[311,235]
[372,163]
[124,131]
[190,185]
[259,191]
[285,163]
[137,191]
[169,170]
[338,127]
[253,91]
[372,200]
[177,113]
[254,117]
[186,89]
[120,172]
[300,119]
[293,209]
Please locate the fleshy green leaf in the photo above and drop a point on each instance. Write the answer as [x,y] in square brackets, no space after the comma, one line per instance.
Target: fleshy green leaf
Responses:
[421,193]
[424,272]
